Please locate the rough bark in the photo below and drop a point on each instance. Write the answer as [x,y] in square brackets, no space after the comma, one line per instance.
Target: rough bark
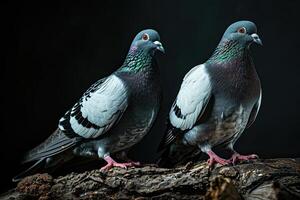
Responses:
[261,179]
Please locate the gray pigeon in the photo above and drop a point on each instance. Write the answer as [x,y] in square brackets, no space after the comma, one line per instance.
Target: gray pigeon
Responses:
[112,115]
[217,101]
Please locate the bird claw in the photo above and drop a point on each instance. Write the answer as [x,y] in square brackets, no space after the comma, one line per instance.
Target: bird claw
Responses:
[211,161]
[112,163]
[134,164]
[237,157]
[213,158]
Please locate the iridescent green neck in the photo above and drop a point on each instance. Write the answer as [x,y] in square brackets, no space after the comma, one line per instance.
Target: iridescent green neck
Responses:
[227,50]
[137,60]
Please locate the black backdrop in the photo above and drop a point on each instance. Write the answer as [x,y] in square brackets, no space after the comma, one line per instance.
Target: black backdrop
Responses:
[55,52]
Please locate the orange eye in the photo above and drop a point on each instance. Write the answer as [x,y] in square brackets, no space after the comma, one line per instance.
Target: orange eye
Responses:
[145,36]
[242,30]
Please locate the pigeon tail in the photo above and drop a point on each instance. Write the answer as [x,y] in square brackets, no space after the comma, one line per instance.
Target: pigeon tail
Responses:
[169,136]
[57,143]
[31,170]
[174,151]
[45,155]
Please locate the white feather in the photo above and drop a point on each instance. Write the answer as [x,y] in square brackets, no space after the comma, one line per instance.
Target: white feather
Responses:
[193,96]
[102,108]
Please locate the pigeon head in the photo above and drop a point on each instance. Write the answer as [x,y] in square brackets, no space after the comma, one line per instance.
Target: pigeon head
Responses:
[148,41]
[236,41]
[243,32]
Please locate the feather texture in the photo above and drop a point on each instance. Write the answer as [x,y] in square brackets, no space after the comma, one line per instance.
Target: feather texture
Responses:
[192,98]
[98,109]
[53,145]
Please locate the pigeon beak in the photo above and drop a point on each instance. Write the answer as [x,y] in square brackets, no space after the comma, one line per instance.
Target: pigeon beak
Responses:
[256,39]
[159,46]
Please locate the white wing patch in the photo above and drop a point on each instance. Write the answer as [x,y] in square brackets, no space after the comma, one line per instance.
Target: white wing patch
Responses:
[99,109]
[81,130]
[193,96]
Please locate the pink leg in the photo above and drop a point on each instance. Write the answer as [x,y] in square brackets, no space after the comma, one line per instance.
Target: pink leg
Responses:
[213,158]
[112,163]
[237,157]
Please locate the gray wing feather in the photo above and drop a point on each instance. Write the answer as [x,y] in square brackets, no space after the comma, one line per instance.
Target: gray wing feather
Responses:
[58,142]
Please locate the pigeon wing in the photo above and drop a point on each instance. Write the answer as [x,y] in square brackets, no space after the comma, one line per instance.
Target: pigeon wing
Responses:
[190,104]
[192,99]
[97,110]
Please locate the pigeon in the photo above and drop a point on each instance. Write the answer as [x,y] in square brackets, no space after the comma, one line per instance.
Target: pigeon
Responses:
[114,114]
[216,102]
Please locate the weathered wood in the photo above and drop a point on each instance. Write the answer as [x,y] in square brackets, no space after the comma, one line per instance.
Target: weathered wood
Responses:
[261,179]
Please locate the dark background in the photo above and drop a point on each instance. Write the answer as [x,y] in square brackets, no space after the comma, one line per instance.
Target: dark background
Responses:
[55,52]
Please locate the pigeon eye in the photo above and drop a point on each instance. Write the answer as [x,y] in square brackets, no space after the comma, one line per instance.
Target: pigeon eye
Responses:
[145,36]
[242,30]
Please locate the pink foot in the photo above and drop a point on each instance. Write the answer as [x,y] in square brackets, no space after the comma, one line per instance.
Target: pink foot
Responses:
[112,163]
[135,164]
[213,158]
[237,157]
[123,156]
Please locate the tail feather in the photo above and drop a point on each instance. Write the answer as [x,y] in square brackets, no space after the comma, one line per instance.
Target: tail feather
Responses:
[57,143]
[177,154]
[51,153]
[169,136]
[31,170]
[174,151]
